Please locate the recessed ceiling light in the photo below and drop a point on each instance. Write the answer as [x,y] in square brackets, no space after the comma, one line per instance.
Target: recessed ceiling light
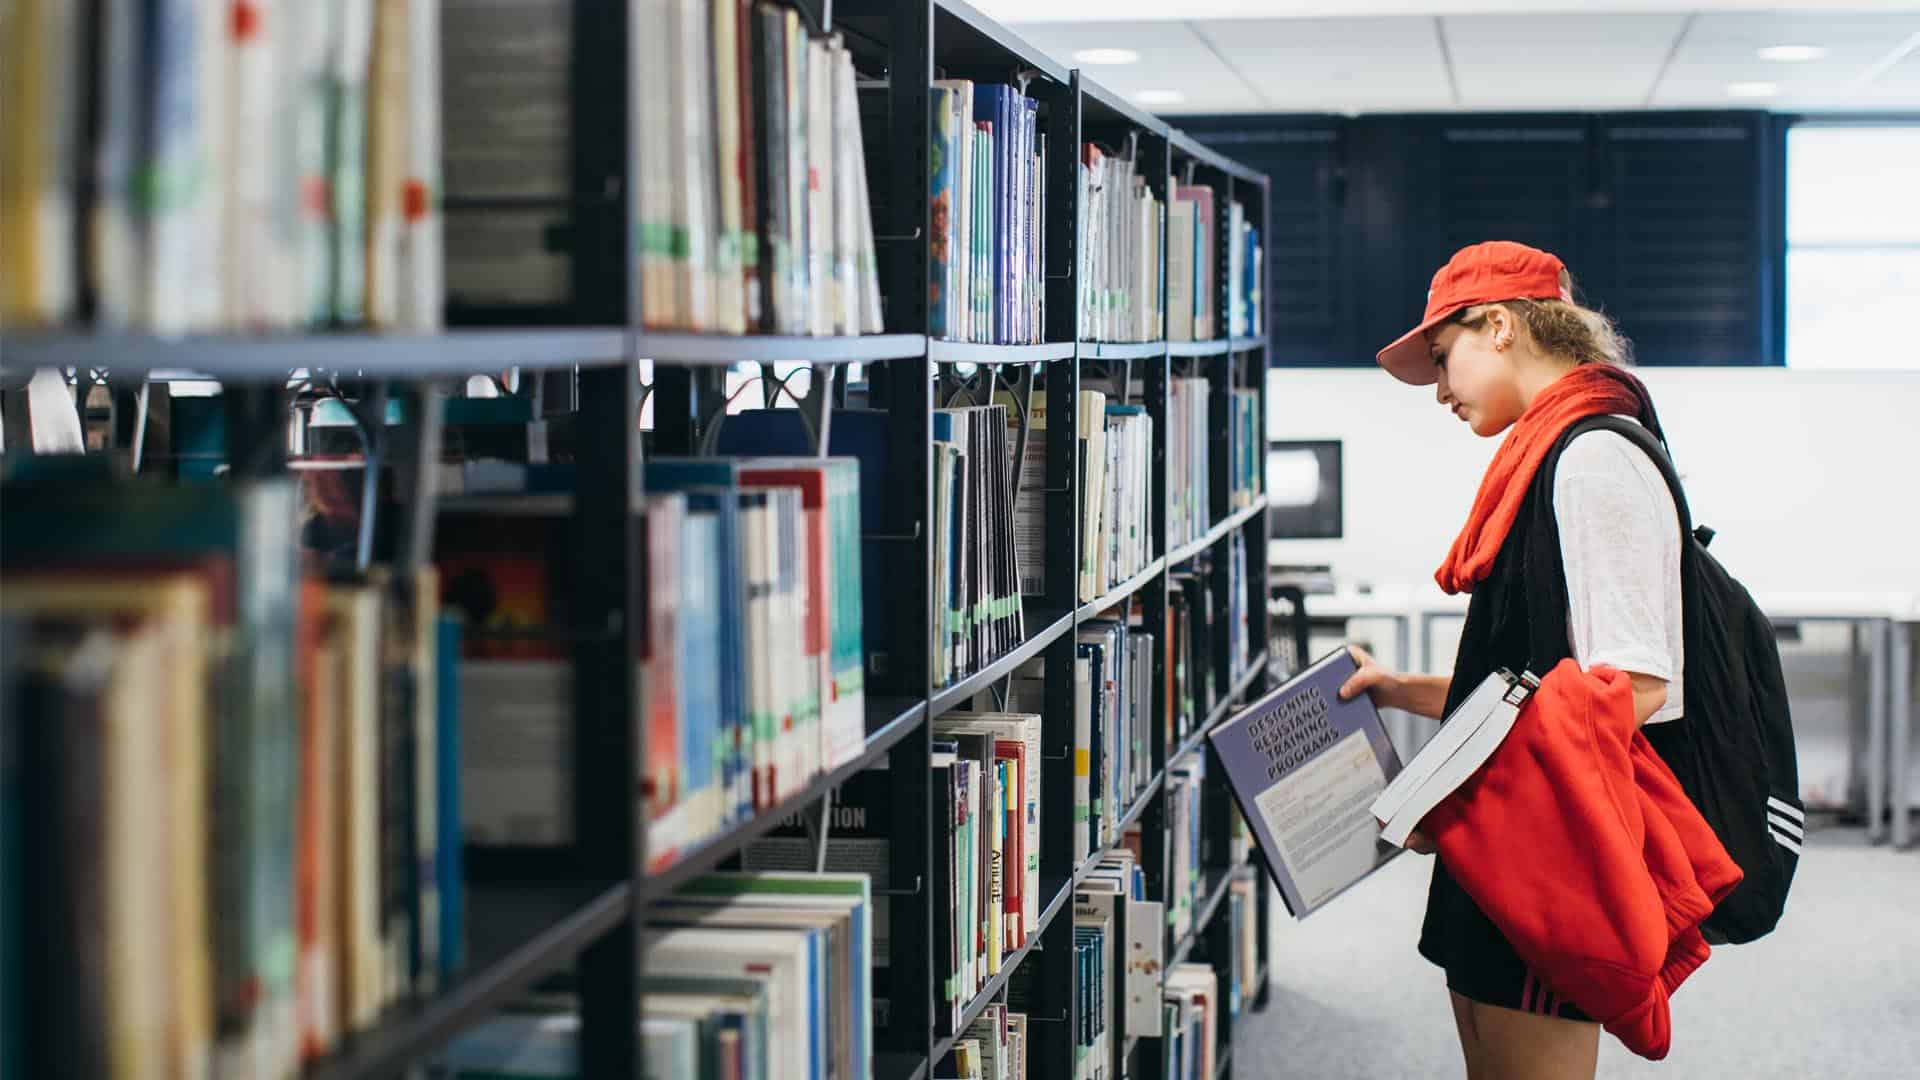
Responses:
[1793,54]
[1107,56]
[1752,89]
[1159,97]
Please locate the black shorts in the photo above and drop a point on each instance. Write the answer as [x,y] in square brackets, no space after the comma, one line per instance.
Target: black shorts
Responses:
[1479,963]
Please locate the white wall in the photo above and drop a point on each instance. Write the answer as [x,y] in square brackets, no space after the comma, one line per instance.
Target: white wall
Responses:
[1811,478]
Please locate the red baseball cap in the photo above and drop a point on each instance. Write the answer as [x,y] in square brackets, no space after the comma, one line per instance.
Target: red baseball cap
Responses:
[1482,274]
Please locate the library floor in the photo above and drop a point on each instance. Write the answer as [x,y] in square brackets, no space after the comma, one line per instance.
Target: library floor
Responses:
[1835,992]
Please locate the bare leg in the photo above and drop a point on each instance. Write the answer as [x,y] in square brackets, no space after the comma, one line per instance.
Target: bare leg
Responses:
[1515,1045]
[1469,1036]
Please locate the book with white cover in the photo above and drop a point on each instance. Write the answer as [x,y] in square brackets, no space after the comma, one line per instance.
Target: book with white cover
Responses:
[824,294]
[1180,256]
[1472,732]
[422,242]
[730,297]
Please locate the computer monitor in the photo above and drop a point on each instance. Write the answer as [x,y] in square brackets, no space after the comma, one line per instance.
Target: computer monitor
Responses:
[1303,489]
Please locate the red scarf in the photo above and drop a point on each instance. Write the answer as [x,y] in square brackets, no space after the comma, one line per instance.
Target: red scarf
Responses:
[1587,390]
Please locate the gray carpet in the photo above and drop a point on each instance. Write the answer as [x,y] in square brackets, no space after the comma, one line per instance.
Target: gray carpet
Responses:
[1834,992]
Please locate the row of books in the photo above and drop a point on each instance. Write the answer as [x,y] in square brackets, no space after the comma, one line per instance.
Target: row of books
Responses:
[1186,876]
[987,264]
[751,640]
[1116,450]
[1189,477]
[1245,270]
[754,209]
[976,561]
[1120,264]
[1112,720]
[994,1047]
[760,976]
[242,781]
[1243,442]
[1192,1019]
[986,779]
[1112,711]
[1094,970]
[1122,958]
[1194,687]
[1193,278]
[179,166]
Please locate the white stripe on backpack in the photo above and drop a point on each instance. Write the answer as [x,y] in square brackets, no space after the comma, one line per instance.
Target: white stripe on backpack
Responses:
[1780,824]
[1786,808]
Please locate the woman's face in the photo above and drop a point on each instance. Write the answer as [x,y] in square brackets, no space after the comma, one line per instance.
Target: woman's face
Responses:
[1477,381]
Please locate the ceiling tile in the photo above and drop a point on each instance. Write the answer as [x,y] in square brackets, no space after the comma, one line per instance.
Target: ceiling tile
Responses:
[1336,65]
[1569,61]
[1558,61]
[1722,49]
[1172,57]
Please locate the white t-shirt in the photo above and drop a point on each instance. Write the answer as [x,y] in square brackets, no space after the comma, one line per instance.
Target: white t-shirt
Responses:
[1620,542]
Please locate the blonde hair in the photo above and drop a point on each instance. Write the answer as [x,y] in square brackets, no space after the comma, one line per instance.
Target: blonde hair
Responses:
[1562,328]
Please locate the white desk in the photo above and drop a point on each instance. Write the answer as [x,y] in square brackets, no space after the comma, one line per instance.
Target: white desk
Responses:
[1880,617]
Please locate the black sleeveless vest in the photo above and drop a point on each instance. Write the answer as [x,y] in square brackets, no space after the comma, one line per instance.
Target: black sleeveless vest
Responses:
[1517,619]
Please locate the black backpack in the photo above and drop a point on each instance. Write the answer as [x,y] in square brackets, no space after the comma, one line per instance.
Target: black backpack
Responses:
[1733,749]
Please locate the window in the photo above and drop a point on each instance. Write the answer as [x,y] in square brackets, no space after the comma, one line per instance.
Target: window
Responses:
[1853,245]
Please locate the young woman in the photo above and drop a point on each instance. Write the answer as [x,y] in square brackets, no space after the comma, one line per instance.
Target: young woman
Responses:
[1508,351]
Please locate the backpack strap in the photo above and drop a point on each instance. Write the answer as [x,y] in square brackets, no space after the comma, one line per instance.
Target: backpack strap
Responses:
[1546,606]
[1650,445]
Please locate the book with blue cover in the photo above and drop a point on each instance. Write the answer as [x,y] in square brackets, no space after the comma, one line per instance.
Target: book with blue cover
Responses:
[710,487]
[1305,768]
[994,105]
[944,161]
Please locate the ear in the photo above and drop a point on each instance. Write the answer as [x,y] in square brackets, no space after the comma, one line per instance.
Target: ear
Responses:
[1502,326]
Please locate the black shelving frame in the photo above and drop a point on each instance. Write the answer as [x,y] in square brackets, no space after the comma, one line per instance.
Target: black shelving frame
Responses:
[574,914]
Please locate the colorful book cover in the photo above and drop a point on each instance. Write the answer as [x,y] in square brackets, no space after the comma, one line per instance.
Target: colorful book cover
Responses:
[711,484]
[703,773]
[1305,767]
[666,741]
[941,164]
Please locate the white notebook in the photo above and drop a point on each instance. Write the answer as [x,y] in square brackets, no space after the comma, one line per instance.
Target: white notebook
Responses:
[1472,732]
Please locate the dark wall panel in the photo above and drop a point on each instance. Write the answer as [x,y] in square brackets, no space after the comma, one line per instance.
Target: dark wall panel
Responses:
[1668,221]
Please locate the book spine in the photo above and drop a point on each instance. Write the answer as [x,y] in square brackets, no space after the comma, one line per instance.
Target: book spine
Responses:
[940,246]
[730,299]
[347,165]
[799,238]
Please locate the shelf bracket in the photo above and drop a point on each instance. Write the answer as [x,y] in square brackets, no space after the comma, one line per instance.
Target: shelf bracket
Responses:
[370,420]
[912,890]
[818,820]
[893,538]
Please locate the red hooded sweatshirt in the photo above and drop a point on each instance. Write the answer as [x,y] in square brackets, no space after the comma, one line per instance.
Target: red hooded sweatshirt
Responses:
[1578,842]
